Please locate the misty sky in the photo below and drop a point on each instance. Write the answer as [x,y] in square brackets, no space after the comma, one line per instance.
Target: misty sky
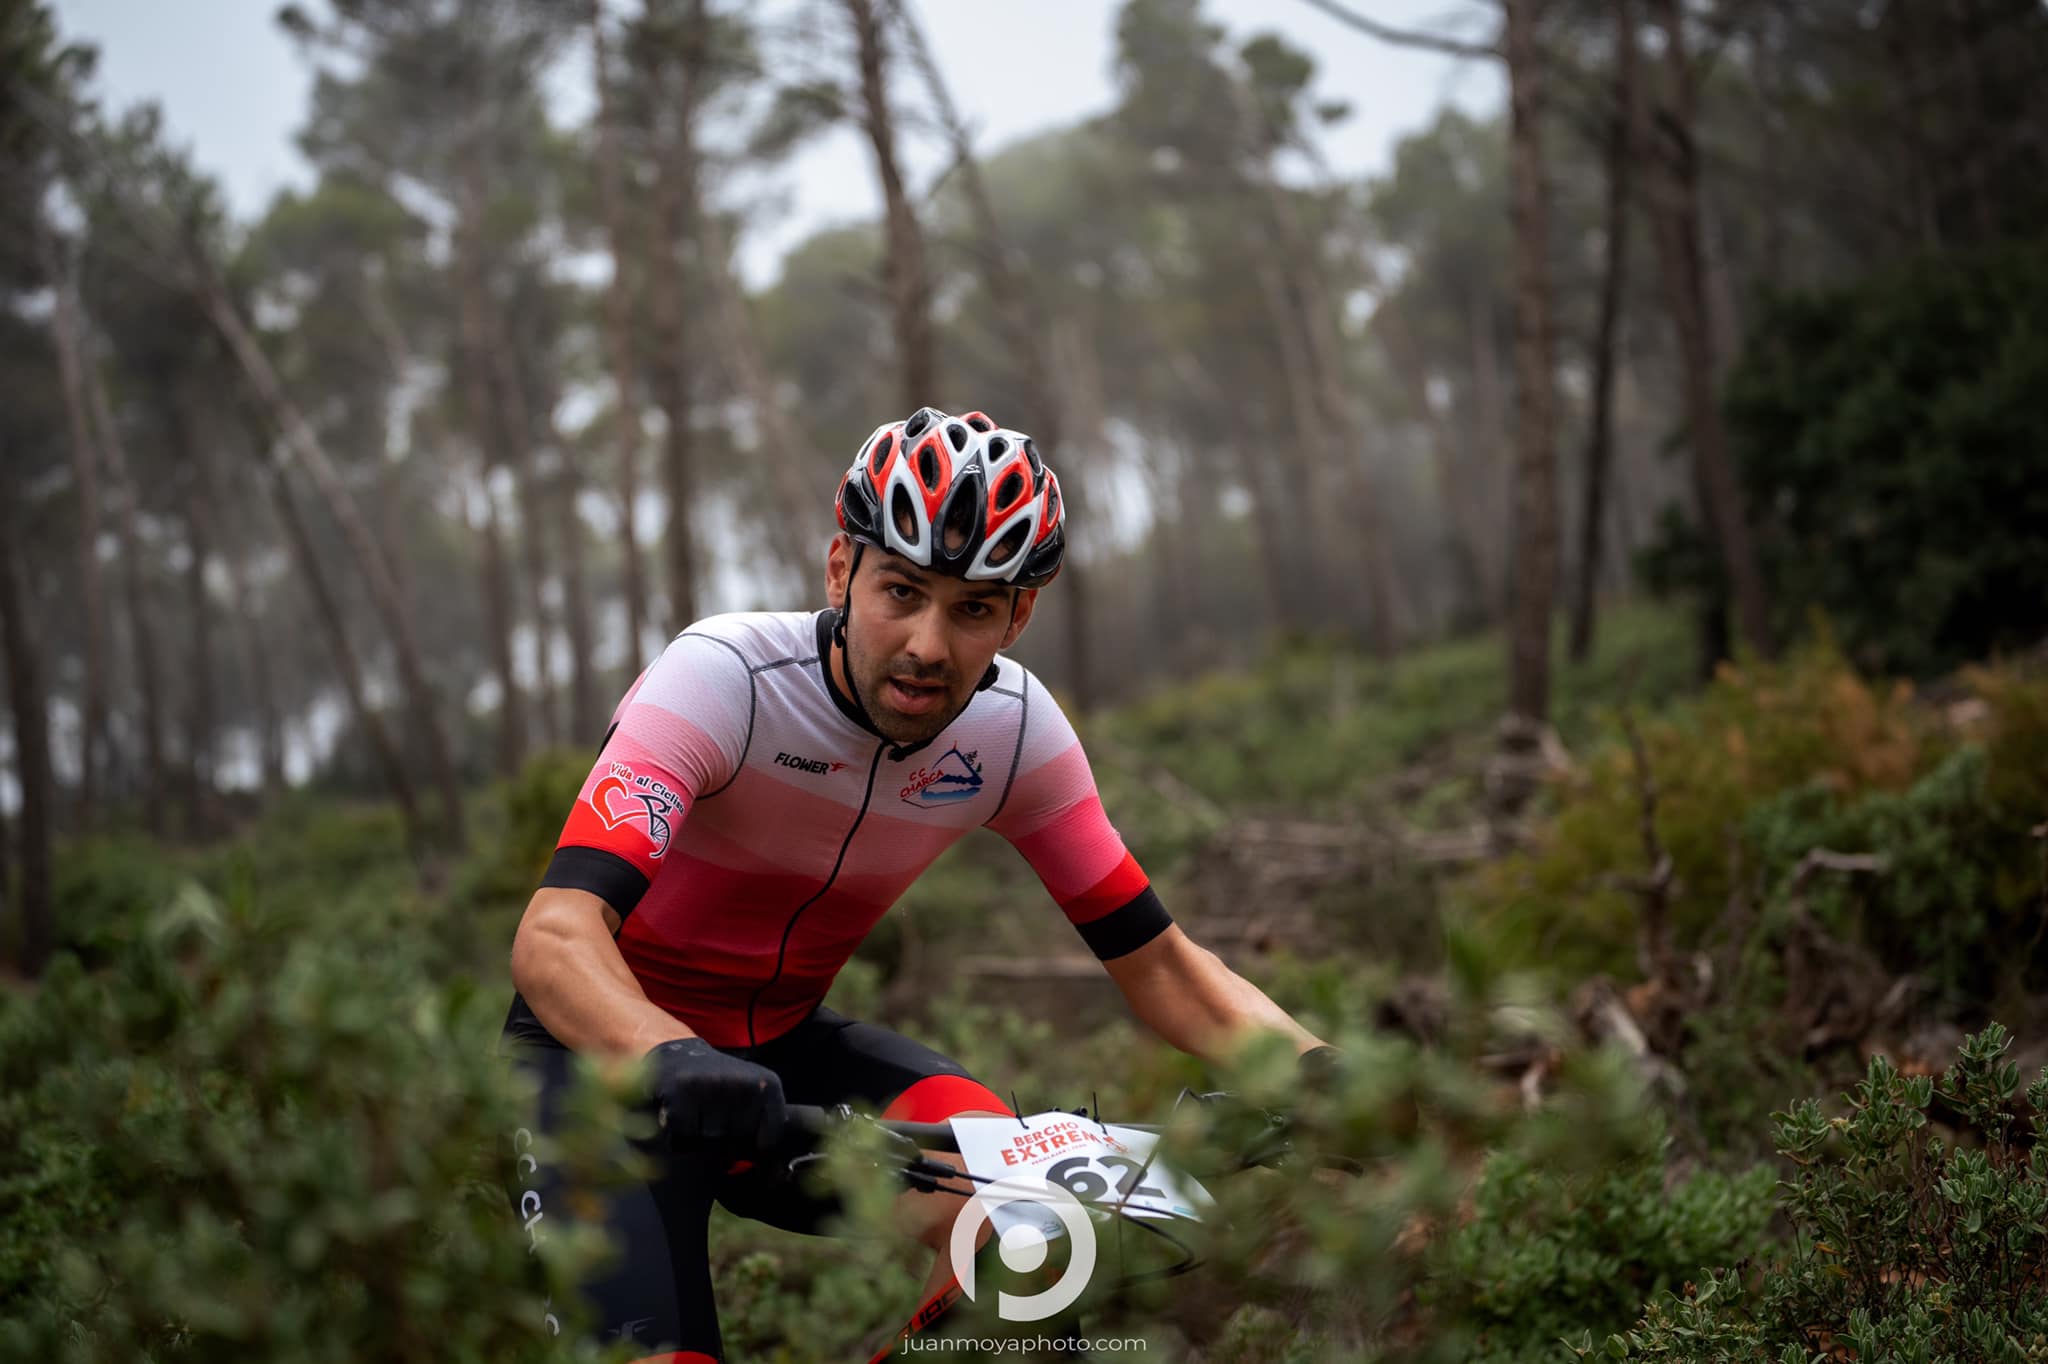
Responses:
[233,88]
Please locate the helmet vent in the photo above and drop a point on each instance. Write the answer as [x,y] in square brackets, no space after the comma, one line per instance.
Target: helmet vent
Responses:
[879,455]
[959,531]
[928,467]
[903,514]
[1031,453]
[919,420]
[1009,489]
[1007,548]
[997,447]
[958,435]
[980,423]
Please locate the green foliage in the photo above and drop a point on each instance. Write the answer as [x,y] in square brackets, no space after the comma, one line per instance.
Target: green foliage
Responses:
[1957,890]
[1769,763]
[101,886]
[1894,456]
[1545,1254]
[1754,733]
[1905,1246]
[258,1133]
[1317,725]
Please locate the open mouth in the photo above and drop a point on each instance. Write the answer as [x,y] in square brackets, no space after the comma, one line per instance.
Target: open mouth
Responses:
[913,698]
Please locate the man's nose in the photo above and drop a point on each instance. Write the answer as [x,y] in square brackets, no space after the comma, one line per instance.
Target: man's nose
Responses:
[927,643]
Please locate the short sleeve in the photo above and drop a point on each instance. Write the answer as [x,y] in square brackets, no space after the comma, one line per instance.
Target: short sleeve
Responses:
[679,735]
[1053,815]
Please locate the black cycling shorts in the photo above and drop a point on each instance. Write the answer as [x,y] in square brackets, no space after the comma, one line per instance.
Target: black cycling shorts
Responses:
[657,1290]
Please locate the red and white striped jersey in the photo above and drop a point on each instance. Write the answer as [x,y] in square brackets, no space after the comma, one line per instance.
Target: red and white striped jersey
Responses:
[751,830]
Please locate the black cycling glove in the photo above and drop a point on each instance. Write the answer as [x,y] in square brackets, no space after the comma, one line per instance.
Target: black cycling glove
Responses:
[704,1098]
[1320,1068]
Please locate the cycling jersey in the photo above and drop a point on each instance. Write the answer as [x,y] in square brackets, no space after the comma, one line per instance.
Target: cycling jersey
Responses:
[750,827]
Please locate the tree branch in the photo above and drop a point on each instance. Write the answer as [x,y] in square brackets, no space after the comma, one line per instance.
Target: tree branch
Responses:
[1400,37]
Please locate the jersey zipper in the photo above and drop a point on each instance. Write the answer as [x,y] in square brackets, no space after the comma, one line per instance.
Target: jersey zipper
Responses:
[782,951]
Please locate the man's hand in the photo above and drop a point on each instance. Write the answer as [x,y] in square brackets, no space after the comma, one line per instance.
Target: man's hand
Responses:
[704,1098]
[1321,1067]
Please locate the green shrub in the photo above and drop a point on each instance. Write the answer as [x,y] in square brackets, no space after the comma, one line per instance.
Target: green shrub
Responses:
[1755,732]
[1905,1246]
[1545,1255]
[102,886]
[260,1133]
[1954,896]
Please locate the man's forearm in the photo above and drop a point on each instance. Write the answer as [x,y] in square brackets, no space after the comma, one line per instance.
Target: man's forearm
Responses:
[1187,995]
[567,967]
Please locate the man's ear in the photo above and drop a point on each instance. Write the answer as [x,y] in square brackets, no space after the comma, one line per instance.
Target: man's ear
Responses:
[1027,602]
[838,559]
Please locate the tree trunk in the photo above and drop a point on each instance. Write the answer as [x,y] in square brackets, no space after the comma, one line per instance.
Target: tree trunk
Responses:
[31,708]
[676,214]
[1046,380]
[92,591]
[1301,465]
[1487,424]
[1467,540]
[1600,429]
[269,725]
[305,450]
[1534,579]
[780,447]
[1255,469]
[199,709]
[1675,219]
[487,428]
[619,343]
[535,523]
[390,494]
[1307,297]
[908,282]
[348,671]
[141,625]
[584,720]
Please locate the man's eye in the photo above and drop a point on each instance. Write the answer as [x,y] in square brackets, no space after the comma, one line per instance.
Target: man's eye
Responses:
[899,591]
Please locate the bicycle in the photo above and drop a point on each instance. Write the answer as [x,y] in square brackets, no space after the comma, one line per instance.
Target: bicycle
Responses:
[1112,1169]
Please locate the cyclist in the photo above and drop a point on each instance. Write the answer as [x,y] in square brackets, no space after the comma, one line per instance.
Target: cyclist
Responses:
[768,788]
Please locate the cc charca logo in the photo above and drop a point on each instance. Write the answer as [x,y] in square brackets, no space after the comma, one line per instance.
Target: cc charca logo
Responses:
[624,798]
[953,778]
[1026,1231]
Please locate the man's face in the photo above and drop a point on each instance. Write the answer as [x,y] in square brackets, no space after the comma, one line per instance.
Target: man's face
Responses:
[917,642]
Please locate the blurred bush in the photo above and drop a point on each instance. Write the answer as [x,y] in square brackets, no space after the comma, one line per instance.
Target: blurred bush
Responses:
[1906,1244]
[1545,1255]
[262,1129]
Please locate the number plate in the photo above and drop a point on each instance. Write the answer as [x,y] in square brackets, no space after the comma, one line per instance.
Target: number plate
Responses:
[1104,1167]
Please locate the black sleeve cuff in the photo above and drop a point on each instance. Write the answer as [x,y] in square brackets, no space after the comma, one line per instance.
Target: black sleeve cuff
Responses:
[608,876]
[1126,928]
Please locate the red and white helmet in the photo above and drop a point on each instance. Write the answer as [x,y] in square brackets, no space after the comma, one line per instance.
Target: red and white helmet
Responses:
[959,495]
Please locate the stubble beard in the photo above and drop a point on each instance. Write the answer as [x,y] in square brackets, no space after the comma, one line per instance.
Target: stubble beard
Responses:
[901,729]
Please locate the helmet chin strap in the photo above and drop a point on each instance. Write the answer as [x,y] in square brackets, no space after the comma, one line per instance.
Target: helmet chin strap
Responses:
[839,638]
[988,679]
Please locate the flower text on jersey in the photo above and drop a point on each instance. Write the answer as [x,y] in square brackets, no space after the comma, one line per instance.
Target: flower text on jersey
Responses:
[816,766]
